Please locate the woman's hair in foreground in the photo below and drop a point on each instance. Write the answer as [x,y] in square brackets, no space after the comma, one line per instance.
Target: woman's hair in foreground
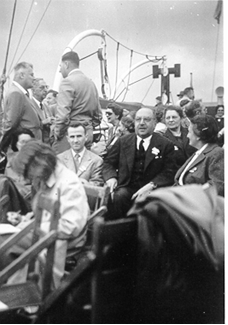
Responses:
[15,137]
[205,127]
[193,108]
[35,154]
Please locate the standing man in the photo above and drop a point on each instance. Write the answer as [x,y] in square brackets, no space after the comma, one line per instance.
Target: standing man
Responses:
[86,164]
[39,91]
[77,101]
[138,163]
[18,110]
[188,96]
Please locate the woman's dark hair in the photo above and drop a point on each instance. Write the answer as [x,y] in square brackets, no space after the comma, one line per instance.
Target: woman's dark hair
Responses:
[128,123]
[117,109]
[15,137]
[35,154]
[193,108]
[205,127]
[53,92]
[217,107]
[159,113]
[174,108]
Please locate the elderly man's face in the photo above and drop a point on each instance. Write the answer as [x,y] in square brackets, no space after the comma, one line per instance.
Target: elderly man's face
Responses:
[144,122]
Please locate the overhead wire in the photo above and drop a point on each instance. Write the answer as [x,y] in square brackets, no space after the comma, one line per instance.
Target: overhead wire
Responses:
[35,30]
[215,61]
[117,65]
[148,91]
[140,53]
[128,80]
[19,42]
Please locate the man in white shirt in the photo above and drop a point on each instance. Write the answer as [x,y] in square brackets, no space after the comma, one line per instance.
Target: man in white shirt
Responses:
[86,164]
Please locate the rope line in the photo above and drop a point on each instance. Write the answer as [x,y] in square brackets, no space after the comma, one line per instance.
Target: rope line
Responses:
[128,79]
[117,66]
[216,52]
[35,30]
[30,9]
[147,91]
[85,57]
[158,58]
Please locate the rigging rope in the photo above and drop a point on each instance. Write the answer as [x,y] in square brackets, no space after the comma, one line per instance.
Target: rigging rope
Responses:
[34,31]
[216,52]
[128,75]
[158,58]
[19,42]
[117,66]
[85,57]
[148,90]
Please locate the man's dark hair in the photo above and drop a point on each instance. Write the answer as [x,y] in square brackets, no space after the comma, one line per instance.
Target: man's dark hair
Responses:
[72,57]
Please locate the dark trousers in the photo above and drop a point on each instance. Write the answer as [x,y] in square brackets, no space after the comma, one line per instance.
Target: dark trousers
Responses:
[121,203]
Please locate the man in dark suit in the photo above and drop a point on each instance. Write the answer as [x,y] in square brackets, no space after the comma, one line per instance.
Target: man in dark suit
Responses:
[138,163]
[77,101]
[18,110]
[39,91]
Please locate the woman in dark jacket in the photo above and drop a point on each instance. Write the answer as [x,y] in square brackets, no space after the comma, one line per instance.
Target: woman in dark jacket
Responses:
[177,134]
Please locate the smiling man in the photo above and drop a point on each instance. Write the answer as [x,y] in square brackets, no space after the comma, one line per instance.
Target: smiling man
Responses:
[137,163]
[85,163]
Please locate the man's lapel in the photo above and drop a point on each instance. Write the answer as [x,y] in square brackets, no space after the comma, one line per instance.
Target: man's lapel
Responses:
[85,162]
[130,147]
[69,160]
[154,146]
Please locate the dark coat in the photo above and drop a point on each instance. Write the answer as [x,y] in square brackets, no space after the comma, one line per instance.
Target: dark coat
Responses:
[183,150]
[159,168]
[19,113]
[207,168]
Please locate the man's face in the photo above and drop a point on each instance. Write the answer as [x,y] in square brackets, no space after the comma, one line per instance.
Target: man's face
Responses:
[40,91]
[76,138]
[63,68]
[144,122]
[220,111]
[28,78]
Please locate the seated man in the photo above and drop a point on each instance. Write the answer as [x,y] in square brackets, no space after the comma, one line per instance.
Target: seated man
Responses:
[86,164]
[37,162]
[138,163]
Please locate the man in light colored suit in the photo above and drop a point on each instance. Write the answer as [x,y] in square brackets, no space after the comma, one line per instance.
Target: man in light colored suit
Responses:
[77,101]
[18,110]
[39,91]
[85,163]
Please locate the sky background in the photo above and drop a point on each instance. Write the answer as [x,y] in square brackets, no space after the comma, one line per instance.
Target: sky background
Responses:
[183,31]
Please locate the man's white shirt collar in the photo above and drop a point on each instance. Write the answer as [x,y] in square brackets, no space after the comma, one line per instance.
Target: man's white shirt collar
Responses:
[73,71]
[20,87]
[79,153]
[146,142]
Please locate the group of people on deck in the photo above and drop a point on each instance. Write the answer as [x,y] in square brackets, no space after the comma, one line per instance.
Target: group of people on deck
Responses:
[48,145]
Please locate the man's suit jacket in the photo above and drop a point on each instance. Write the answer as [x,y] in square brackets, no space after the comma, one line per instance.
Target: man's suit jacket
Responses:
[45,128]
[207,168]
[90,167]
[159,164]
[77,101]
[19,113]
[183,150]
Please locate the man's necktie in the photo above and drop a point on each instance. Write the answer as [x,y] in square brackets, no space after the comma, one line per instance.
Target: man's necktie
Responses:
[27,94]
[141,147]
[76,161]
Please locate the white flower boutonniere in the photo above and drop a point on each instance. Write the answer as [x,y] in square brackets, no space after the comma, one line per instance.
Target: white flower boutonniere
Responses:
[155,151]
[176,148]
